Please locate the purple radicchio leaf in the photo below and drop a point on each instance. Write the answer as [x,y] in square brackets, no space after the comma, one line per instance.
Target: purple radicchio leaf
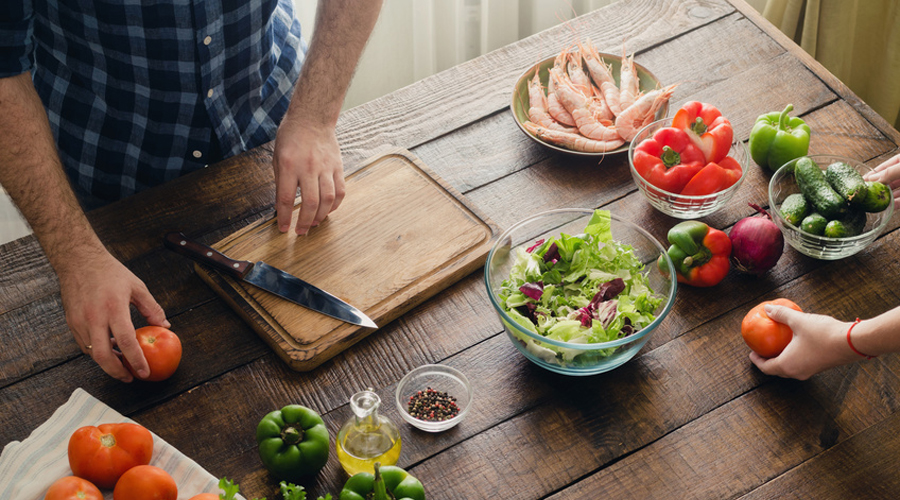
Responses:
[533,290]
[536,244]
[609,290]
[627,328]
[552,253]
[606,312]
[584,314]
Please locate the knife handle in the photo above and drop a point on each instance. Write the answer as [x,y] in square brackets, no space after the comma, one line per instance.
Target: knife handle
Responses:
[203,254]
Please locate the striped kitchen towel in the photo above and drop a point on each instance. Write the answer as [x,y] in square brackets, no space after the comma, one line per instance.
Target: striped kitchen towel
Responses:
[29,467]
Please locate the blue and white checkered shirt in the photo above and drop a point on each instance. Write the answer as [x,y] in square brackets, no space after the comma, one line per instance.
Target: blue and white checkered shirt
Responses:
[139,92]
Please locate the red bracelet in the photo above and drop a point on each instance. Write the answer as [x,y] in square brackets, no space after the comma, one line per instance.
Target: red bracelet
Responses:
[851,343]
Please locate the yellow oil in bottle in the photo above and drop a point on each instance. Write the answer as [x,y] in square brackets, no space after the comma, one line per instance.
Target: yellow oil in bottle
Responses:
[359,450]
[367,437]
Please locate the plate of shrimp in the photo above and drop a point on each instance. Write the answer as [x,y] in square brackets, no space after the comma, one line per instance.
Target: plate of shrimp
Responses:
[586,102]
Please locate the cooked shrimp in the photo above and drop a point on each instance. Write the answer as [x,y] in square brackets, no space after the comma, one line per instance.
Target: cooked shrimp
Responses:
[576,73]
[642,112]
[554,107]
[585,110]
[574,142]
[629,83]
[537,111]
[602,75]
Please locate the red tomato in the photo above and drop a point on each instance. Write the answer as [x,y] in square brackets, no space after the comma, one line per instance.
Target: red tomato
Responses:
[73,488]
[145,482]
[162,348]
[765,336]
[102,454]
[205,496]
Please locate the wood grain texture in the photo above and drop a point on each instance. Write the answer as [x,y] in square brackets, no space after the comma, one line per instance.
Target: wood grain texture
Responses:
[689,417]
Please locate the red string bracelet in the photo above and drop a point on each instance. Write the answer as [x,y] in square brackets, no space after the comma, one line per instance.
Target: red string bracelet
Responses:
[851,343]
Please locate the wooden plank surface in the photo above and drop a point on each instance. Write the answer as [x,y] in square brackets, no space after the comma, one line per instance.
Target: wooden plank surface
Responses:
[689,417]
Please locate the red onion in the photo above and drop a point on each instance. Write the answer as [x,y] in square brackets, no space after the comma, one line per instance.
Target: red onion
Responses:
[756,243]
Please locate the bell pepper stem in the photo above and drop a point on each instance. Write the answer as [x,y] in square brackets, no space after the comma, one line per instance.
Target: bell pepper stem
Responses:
[783,119]
[379,488]
[670,157]
[698,126]
[291,435]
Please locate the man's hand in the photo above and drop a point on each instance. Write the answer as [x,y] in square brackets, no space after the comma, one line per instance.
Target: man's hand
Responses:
[308,157]
[97,298]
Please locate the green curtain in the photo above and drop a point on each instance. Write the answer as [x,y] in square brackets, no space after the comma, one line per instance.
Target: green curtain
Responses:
[856,40]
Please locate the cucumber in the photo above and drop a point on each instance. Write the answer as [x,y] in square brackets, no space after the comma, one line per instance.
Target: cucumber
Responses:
[814,223]
[816,189]
[847,181]
[794,208]
[851,224]
[878,197]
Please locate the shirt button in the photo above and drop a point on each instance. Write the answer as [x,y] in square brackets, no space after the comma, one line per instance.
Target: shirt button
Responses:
[207,40]
[197,154]
[210,93]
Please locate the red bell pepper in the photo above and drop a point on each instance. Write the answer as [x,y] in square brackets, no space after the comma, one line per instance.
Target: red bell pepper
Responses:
[714,177]
[699,253]
[707,128]
[668,159]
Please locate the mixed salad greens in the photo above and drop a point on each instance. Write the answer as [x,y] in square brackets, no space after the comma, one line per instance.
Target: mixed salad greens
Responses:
[584,289]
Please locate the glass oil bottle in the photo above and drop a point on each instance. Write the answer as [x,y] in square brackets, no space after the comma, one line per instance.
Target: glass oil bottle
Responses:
[367,437]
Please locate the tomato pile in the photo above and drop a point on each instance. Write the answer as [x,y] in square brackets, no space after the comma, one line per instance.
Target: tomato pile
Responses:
[691,156]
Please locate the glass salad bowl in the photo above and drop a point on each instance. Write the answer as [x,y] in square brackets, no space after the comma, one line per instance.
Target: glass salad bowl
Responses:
[602,273]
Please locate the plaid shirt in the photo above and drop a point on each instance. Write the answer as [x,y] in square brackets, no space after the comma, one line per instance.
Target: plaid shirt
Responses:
[135,89]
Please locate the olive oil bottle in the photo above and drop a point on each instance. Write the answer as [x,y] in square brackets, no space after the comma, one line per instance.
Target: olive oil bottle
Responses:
[367,437]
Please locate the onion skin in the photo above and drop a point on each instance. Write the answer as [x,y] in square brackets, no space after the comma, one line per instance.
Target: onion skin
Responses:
[756,244]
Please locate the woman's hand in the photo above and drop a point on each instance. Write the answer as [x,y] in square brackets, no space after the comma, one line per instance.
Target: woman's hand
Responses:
[819,343]
[888,173]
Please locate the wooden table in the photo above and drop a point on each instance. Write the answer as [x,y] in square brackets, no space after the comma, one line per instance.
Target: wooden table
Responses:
[688,417]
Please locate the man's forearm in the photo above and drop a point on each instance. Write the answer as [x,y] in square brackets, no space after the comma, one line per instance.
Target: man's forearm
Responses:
[341,31]
[31,173]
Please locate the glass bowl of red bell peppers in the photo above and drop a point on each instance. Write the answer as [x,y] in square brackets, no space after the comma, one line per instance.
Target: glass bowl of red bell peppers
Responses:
[689,165]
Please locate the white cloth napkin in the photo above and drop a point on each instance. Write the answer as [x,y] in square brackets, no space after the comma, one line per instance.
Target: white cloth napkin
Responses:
[29,467]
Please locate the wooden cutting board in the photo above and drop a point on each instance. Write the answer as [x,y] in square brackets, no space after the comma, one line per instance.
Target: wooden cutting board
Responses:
[400,236]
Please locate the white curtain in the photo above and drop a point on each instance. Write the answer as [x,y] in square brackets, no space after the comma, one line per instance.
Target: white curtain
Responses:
[417,38]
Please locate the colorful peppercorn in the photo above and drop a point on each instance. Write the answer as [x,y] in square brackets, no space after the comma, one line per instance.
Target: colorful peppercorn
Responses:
[432,405]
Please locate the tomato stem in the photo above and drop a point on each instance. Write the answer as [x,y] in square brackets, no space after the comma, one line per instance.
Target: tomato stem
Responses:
[107,440]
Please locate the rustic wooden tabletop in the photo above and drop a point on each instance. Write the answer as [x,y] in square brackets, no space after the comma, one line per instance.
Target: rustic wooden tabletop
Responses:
[689,417]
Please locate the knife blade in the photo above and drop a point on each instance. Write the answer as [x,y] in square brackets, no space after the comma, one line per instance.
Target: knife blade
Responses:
[270,279]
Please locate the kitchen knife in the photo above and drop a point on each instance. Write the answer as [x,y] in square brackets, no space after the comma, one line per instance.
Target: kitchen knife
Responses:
[270,279]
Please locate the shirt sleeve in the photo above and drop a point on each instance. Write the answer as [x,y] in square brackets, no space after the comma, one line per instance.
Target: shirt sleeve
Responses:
[16,37]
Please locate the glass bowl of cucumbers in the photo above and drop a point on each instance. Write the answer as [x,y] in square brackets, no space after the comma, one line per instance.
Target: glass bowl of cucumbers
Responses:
[825,208]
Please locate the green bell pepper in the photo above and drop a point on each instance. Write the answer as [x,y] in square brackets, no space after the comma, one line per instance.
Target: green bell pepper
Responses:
[293,442]
[388,483]
[777,139]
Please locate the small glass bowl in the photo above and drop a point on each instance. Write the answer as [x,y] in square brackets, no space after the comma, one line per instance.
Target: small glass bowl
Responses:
[783,184]
[678,205]
[440,378]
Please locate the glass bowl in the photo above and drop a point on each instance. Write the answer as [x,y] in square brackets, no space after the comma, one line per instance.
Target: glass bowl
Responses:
[571,358]
[520,101]
[782,184]
[441,378]
[678,205]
